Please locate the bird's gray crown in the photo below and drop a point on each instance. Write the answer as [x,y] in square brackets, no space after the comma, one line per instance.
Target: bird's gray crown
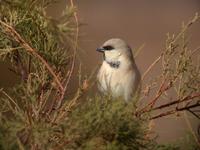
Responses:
[115,43]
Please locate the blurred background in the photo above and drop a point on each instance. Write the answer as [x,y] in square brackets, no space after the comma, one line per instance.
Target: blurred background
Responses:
[138,22]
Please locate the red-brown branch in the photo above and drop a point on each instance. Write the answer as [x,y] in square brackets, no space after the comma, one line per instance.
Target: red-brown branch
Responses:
[152,102]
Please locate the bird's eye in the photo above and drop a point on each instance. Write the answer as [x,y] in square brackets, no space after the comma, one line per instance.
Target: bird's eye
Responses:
[108,47]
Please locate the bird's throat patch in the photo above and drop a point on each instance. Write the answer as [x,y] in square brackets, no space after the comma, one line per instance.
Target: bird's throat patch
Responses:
[114,64]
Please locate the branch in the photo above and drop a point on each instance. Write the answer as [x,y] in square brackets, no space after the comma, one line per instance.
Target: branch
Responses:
[145,110]
[150,105]
[17,37]
[174,111]
[176,102]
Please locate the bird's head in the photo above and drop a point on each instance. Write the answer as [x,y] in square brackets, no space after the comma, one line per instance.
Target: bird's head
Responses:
[115,50]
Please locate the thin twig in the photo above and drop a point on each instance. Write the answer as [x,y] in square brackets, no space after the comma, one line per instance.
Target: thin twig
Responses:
[11,99]
[150,67]
[75,46]
[67,107]
[159,93]
[192,112]
[138,51]
[194,19]
[195,50]
[150,105]
[73,58]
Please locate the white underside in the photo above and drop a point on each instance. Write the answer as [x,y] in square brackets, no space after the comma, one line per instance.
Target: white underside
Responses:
[118,81]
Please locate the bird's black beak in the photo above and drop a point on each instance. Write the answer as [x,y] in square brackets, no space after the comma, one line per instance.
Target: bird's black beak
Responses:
[100,49]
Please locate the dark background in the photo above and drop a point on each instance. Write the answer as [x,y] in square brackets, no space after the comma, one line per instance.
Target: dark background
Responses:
[138,22]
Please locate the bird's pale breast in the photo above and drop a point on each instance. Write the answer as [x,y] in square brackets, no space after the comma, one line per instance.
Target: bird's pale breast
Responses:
[118,82]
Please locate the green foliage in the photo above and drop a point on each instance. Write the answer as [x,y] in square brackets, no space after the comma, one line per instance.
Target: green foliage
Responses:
[41,32]
[25,111]
[107,124]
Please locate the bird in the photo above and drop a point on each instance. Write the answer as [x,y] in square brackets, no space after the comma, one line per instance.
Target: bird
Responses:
[118,75]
